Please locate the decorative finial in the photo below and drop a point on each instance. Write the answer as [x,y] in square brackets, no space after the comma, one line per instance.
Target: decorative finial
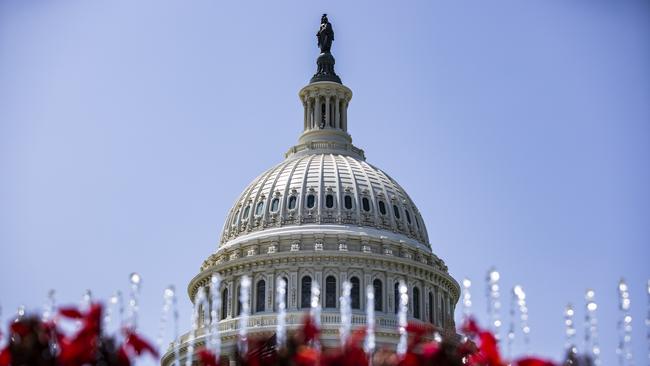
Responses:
[325,61]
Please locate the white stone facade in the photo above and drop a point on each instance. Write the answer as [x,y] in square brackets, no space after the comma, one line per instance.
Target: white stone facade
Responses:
[325,215]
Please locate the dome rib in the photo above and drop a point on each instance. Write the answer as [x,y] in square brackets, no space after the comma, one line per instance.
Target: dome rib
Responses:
[371,189]
[339,187]
[354,184]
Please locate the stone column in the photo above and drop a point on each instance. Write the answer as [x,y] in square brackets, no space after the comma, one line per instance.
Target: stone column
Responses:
[337,112]
[312,118]
[231,294]
[270,292]
[317,115]
[292,288]
[305,103]
[327,112]
[390,294]
[367,279]
[344,116]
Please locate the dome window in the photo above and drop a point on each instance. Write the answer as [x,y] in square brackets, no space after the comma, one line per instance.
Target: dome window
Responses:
[292,202]
[260,296]
[329,201]
[259,209]
[275,204]
[396,211]
[311,201]
[382,207]
[305,292]
[378,288]
[408,216]
[330,292]
[365,202]
[348,201]
[235,220]
[247,210]
[355,293]
[224,303]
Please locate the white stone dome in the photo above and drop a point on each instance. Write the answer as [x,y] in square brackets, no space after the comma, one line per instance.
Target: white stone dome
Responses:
[317,187]
[323,217]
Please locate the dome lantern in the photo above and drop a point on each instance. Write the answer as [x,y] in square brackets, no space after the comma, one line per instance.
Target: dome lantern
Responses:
[325,101]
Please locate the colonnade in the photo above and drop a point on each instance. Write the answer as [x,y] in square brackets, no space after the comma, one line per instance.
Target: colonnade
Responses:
[428,302]
[325,111]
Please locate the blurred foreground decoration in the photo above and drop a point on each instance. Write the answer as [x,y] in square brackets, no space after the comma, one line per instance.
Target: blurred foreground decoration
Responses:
[35,341]
[77,336]
[42,342]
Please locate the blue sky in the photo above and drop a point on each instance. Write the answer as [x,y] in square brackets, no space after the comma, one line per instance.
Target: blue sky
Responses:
[520,128]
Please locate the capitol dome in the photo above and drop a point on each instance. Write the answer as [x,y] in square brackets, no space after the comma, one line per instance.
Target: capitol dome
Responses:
[321,218]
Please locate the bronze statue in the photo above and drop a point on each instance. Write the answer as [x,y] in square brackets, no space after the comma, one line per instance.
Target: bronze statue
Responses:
[325,35]
[325,61]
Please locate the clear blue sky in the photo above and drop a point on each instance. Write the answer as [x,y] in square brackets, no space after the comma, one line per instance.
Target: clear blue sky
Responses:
[520,128]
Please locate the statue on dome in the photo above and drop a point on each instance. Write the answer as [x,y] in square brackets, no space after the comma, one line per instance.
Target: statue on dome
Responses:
[325,35]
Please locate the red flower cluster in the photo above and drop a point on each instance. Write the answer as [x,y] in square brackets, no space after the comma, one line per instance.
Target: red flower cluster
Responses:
[34,342]
[38,343]
[479,349]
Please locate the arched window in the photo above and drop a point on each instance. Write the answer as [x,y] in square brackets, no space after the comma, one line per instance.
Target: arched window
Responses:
[365,203]
[396,211]
[260,295]
[417,222]
[292,202]
[382,207]
[305,292]
[347,201]
[330,292]
[408,216]
[247,210]
[355,293]
[416,303]
[224,303]
[329,201]
[311,201]
[259,209]
[396,297]
[275,204]
[431,308]
[237,293]
[379,299]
